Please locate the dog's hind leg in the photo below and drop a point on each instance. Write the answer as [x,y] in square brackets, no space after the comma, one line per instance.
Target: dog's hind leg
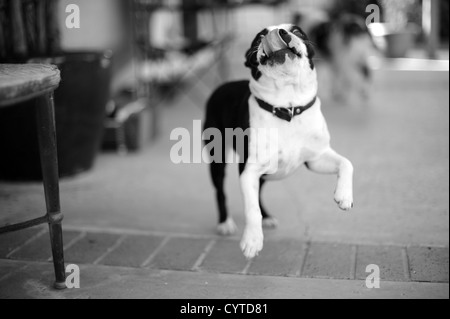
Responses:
[227,226]
[269,222]
[218,166]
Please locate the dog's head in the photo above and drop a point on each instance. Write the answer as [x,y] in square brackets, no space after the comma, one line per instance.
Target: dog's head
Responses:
[280,51]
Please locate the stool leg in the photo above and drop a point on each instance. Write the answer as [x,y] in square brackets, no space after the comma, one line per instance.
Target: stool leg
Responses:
[49,162]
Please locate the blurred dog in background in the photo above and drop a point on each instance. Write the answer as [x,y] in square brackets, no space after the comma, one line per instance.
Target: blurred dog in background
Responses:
[344,46]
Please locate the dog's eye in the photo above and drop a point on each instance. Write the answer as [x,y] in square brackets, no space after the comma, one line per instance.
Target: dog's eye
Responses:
[298,33]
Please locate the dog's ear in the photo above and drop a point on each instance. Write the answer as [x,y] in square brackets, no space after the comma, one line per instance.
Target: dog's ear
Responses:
[320,35]
[251,57]
[309,45]
[311,53]
[310,49]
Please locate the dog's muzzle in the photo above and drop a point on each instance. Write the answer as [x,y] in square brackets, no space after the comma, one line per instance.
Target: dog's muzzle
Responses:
[276,46]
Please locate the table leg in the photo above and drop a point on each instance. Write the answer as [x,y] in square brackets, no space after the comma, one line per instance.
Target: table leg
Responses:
[49,162]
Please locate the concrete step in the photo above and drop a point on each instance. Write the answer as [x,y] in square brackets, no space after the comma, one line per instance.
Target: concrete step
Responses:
[34,279]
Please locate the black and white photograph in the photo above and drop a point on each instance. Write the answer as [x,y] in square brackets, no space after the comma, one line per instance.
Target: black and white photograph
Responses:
[229,157]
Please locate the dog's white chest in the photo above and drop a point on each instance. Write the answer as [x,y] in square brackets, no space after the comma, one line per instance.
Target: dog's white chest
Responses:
[292,144]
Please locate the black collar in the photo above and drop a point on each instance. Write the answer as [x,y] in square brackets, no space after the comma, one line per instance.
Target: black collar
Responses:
[283,113]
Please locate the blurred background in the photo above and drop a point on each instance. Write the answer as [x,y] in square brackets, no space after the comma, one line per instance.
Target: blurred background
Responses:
[136,70]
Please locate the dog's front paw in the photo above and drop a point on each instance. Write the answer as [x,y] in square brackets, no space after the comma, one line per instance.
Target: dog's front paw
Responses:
[252,242]
[228,228]
[344,199]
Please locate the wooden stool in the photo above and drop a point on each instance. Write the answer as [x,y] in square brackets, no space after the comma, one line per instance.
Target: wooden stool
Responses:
[19,83]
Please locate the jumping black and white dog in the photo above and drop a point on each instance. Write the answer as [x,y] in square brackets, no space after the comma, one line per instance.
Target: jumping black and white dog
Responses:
[281,96]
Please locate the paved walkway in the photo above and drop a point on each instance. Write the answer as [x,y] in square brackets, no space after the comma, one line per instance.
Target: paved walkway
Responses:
[281,258]
[127,264]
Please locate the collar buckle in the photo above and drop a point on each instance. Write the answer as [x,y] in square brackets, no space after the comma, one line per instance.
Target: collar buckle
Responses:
[283,113]
[287,114]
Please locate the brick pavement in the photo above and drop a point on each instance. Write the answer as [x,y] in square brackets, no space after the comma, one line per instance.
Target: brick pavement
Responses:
[210,254]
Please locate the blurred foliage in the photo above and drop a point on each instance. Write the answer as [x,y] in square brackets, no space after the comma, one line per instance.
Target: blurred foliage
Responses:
[357,7]
[399,13]
[395,11]
[196,4]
